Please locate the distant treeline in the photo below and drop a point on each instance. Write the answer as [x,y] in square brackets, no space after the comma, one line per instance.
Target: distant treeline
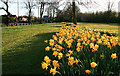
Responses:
[100,17]
[97,17]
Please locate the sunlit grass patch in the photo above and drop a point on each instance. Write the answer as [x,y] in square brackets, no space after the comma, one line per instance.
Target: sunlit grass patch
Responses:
[112,28]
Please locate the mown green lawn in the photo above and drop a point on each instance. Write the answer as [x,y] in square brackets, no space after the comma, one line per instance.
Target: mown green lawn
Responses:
[23,46]
[112,27]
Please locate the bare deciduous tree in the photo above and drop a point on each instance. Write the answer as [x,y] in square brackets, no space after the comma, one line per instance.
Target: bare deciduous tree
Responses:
[109,9]
[29,5]
[74,3]
[85,3]
[5,2]
[52,9]
[51,6]
[41,4]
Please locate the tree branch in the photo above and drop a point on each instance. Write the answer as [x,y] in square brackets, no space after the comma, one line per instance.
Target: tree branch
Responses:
[5,10]
[2,8]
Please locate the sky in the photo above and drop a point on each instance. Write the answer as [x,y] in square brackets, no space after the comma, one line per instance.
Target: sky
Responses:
[101,6]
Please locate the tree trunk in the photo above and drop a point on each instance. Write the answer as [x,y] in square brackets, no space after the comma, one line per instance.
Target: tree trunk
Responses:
[29,17]
[108,16]
[7,23]
[41,10]
[53,14]
[30,10]
[74,13]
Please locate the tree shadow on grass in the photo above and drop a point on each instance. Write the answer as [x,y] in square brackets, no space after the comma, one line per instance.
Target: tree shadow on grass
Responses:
[27,58]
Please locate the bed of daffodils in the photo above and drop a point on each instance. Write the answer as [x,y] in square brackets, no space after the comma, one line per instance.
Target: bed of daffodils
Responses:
[81,51]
